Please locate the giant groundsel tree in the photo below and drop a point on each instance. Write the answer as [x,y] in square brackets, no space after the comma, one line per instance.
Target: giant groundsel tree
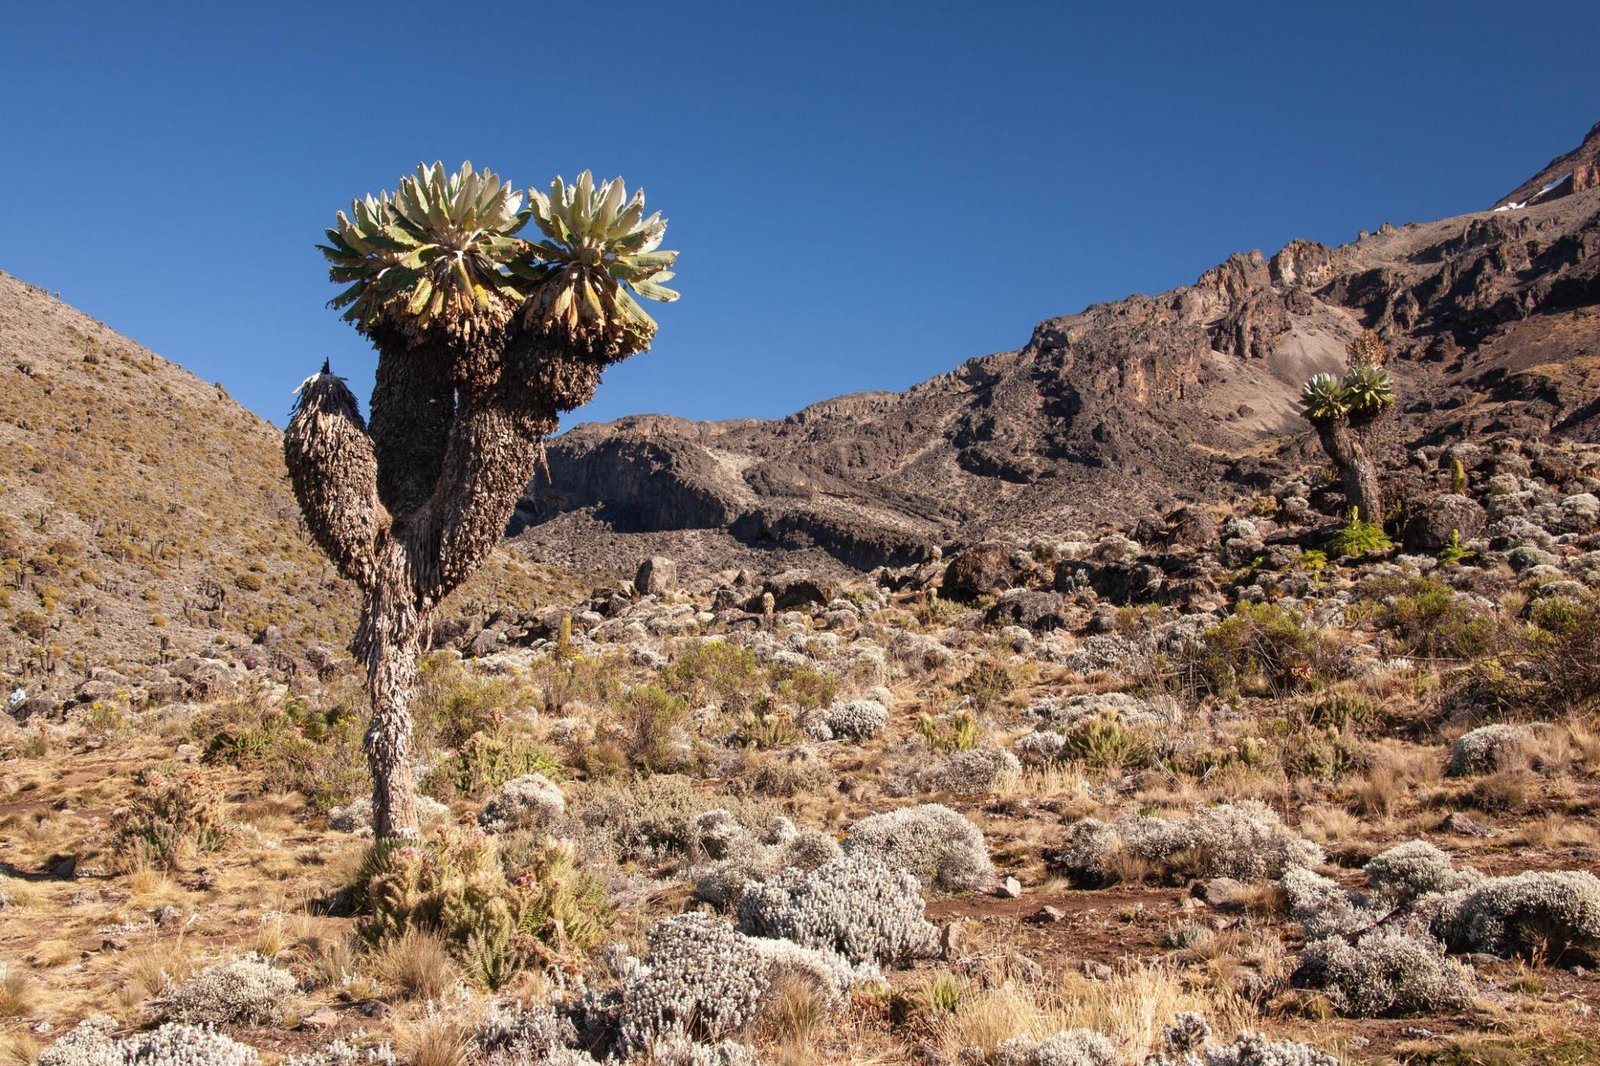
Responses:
[1346,413]
[484,336]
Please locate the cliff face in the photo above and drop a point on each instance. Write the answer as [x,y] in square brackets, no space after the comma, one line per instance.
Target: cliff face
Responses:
[1125,407]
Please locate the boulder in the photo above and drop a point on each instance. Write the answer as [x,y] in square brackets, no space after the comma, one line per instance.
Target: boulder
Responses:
[656,575]
[1038,611]
[799,588]
[978,571]
[1430,527]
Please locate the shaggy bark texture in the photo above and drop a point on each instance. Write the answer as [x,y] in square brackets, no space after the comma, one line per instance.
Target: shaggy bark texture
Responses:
[409,510]
[1346,445]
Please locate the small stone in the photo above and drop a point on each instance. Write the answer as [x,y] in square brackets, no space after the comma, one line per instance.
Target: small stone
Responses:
[952,939]
[374,1008]
[1047,915]
[1459,823]
[319,1020]
[1097,971]
[1010,888]
[1223,893]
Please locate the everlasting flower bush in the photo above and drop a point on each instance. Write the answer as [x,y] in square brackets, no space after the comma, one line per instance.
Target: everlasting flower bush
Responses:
[1245,841]
[742,858]
[531,801]
[975,772]
[1409,871]
[1073,1047]
[857,719]
[174,1044]
[854,906]
[1485,749]
[1549,914]
[249,991]
[1387,973]
[701,978]
[937,845]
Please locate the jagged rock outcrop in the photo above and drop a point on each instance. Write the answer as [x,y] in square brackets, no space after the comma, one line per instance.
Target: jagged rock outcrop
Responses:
[1127,407]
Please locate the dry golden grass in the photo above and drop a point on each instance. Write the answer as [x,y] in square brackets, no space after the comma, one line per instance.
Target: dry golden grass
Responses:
[436,1039]
[19,993]
[417,966]
[1130,1009]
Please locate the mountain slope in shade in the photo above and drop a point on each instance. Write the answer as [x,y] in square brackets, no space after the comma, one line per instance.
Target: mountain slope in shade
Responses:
[1121,409]
[146,516]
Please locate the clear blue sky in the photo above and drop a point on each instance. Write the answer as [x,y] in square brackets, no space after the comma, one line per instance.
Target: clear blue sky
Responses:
[865,194]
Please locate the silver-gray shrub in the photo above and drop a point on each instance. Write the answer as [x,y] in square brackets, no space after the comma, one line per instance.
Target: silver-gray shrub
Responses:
[343,1053]
[1254,1049]
[740,857]
[1386,973]
[1322,906]
[974,772]
[247,990]
[1071,1047]
[531,801]
[857,719]
[701,977]
[1485,749]
[930,841]
[676,1049]
[174,1044]
[1407,872]
[1245,840]
[855,906]
[1553,914]
[511,1034]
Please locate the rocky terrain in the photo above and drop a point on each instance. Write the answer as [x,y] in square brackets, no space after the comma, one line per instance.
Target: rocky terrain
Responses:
[1249,787]
[1120,409]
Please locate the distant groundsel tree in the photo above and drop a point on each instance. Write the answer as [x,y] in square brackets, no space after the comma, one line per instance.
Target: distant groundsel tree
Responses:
[484,337]
[1346,413]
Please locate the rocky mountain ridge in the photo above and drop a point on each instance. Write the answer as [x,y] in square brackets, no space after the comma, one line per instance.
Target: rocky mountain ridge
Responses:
[1124,408]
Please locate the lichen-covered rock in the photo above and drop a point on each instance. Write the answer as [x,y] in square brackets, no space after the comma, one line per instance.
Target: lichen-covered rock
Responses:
[936,844]
[855,906]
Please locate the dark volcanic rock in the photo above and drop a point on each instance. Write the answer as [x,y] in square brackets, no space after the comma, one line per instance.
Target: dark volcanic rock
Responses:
[978,571]
[799,588]
[1039,611]
[1431,525]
